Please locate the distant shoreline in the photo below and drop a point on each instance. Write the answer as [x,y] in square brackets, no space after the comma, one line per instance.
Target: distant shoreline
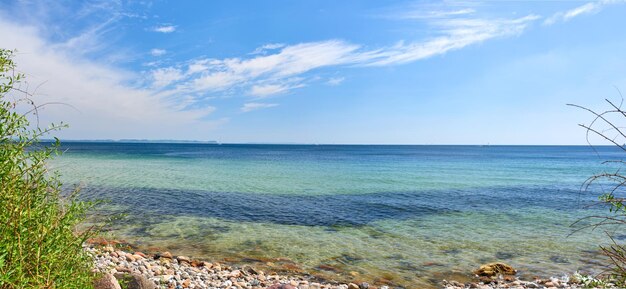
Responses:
[211,142]
[135,141]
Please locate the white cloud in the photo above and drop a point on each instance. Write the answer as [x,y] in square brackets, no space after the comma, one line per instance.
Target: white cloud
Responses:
[158,52]
[88,41]
[458,33]
[587,8]
[213,82]
[105,105]
[430,10]
[166,76]
[274,73]
[99,20]
[335,80]
[198,66]
[264,89]
[165,29]
[250,106]
[267,90]
[289,61]
[263,49]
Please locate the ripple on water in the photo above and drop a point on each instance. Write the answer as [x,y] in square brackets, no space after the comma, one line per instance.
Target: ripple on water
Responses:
[333,210]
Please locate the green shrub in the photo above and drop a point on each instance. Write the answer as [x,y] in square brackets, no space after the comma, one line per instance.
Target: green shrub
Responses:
[39,244]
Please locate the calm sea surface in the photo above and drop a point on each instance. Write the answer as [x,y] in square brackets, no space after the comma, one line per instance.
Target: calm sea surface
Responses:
[406,215]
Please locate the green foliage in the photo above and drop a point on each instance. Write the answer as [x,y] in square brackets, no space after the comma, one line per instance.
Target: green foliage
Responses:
[39,244]
[588,281]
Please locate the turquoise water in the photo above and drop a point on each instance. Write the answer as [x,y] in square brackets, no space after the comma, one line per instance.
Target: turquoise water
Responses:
[403,215]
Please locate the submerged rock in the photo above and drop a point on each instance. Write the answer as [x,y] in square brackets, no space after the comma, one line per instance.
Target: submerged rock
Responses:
[559,259]
[504,255]
[493,269]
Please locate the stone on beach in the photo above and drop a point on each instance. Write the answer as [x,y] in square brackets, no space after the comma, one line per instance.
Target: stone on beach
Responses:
[183,259]
[107,281]
[165,254]
[136,281]
[235,274]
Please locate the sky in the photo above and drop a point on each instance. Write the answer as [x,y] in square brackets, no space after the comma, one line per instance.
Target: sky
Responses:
[323,72]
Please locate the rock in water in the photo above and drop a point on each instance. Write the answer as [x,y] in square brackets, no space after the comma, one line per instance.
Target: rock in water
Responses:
[107,281]
[493,269]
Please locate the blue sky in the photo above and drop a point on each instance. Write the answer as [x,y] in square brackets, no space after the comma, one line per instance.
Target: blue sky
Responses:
[388,72]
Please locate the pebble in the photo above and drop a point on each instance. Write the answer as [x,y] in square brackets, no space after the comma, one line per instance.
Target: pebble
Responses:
[552,283]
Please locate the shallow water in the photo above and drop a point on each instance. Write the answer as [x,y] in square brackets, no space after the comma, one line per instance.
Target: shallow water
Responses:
[404,215]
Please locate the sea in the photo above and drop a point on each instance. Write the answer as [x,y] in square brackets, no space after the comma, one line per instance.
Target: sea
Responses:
[407,216]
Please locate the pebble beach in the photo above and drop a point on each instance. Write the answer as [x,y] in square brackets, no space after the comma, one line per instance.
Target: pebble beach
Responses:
[164,270]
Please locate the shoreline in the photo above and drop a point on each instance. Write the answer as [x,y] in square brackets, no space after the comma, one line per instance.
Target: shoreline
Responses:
[165,270]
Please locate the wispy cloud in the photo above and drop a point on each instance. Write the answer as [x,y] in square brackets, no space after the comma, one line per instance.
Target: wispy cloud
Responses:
[264,75]
[269,89]
[265,48]
[106,106]
[587,8]
[264,90]
[457,33]
[165,76]
[273,71]
[158,52]
[90,39]
[250,106]
[165,29]
[335,80]
[429,10]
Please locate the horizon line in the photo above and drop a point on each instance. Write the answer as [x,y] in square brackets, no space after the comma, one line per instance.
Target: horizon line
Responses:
[213,142]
